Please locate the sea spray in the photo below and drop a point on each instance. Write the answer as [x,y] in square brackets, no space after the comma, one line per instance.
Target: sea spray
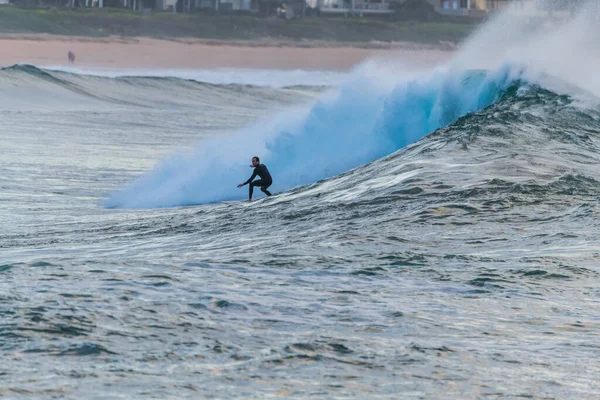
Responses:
[556,38]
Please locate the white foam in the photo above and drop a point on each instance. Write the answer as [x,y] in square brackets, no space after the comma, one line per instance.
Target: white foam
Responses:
[562,44]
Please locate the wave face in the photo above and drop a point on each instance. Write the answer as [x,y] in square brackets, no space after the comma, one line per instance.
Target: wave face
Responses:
[357,123]
[532,147]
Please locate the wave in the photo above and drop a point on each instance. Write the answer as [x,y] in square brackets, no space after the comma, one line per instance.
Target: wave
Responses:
[26,87]
[364,120]
[530,148]
[219,76]
[358,123]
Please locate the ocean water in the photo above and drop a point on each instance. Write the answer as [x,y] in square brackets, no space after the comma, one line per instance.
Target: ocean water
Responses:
[433,235]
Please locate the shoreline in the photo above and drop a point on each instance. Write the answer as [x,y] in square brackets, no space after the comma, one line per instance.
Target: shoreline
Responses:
[44,50]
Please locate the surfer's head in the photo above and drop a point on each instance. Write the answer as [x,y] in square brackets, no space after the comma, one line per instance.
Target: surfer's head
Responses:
[255,161]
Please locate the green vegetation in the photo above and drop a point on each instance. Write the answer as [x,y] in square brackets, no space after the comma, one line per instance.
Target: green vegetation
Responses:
[107,22]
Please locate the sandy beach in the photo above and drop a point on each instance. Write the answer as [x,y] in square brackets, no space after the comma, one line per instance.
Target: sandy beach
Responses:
[114,52]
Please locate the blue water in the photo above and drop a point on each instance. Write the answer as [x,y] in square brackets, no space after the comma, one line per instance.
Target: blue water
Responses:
[432,236]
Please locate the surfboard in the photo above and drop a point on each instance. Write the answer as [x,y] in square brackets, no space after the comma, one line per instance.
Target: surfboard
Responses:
[232,202]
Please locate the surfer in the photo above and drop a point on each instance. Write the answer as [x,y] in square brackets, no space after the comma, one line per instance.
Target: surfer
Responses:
[265,178]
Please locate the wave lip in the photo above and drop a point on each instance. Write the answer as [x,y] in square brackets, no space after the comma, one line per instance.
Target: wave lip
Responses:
[357,124]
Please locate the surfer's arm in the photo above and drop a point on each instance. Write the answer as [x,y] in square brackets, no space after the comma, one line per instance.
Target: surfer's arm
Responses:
[249,179]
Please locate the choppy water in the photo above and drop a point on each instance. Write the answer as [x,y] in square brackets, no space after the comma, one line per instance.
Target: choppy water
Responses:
[414,262]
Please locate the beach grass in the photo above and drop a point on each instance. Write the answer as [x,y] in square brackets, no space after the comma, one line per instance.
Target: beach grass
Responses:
[94,22]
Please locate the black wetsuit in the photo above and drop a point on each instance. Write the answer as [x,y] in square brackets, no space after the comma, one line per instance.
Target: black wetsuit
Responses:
[264,182]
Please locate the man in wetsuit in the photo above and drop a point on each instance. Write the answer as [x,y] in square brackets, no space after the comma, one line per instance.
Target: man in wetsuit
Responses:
[265,178]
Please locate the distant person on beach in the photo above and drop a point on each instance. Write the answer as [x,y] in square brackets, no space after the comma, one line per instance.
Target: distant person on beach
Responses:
[71,56]
[265,178]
